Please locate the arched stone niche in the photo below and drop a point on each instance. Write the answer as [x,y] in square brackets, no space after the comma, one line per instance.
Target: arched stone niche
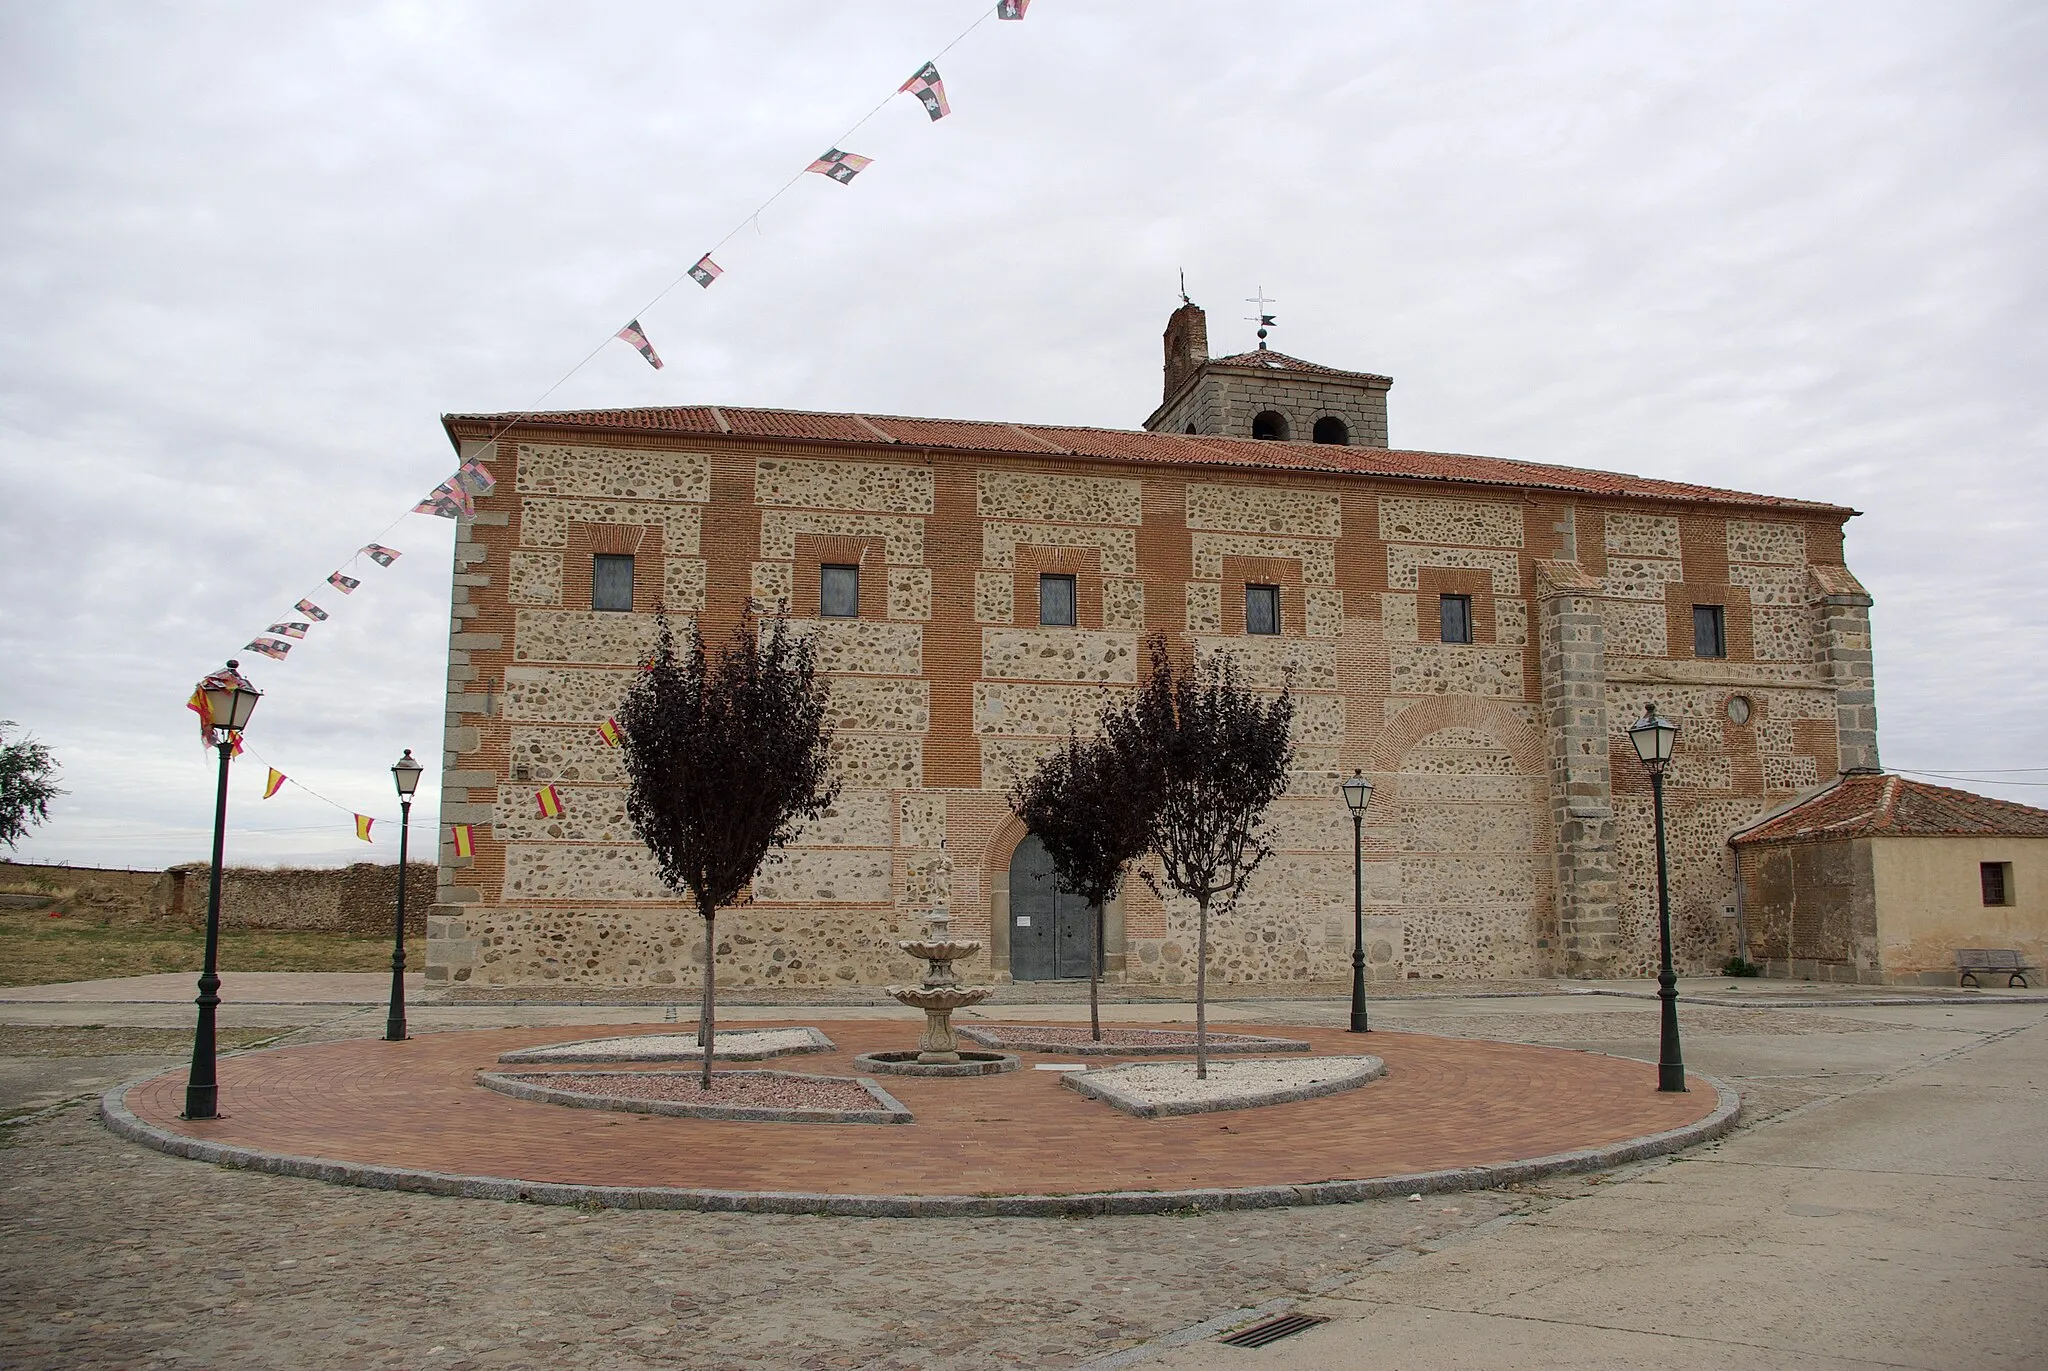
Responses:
[1467,817]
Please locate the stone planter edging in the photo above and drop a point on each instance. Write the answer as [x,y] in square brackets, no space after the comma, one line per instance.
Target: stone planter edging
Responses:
[1102,1084]
[531,1085]
[1219,1043]
[549,1054]
[120,1120]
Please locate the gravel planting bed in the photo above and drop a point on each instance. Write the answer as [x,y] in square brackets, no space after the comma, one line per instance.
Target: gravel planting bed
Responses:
[757,1096]
[1116,1042]
[1157,1089]
[746,1045]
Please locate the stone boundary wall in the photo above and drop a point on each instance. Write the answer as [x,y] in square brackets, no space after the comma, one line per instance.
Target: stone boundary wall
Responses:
[358,899]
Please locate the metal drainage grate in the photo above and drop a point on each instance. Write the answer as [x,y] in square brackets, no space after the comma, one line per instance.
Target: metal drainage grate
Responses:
[1272,1330]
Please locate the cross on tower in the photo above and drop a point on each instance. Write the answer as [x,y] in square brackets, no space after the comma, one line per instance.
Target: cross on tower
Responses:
[1262,319]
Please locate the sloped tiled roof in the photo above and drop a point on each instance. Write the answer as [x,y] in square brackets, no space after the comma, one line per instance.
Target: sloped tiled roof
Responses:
[1888,806]
[1270,360]
[883,431]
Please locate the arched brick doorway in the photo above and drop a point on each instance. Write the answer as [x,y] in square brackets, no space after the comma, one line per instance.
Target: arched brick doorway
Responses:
[1050,926]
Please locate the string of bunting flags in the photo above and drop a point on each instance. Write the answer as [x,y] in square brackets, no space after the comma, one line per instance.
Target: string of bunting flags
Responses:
[455,497]
[547,800]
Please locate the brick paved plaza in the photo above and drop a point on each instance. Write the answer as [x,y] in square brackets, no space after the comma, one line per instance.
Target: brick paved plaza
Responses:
[120,1256]
[1446,1103]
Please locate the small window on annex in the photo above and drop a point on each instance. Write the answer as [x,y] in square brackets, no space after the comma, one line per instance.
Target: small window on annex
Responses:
[1996,878]
[1454,618]
[839,592]
[1270,423]
[1056,601]
[1709,631]
[1331,429]
[611,581]
[1262,609]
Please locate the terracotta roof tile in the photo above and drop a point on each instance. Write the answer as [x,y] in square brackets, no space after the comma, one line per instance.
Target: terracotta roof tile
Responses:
[786,423]
[1886,806]
[1131,445]
[970,434]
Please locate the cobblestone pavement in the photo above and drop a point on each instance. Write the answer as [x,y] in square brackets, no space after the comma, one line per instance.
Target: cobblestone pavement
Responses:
[123,1257]
[118,1256]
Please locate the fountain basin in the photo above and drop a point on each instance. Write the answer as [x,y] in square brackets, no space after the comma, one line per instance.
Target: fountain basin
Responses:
[909,1064]
[945,998]
[940,951]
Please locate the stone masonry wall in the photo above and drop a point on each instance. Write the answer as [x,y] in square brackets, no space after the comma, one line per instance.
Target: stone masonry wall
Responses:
[1508,829]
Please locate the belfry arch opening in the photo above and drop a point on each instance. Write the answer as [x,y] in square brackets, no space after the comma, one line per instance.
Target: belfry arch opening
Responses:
[1270,424]
[1330,429]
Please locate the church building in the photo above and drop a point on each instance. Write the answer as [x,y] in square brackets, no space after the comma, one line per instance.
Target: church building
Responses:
[1473,633]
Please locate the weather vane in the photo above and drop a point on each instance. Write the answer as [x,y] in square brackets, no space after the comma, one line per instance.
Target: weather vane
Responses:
[1184,287]
[1262,319]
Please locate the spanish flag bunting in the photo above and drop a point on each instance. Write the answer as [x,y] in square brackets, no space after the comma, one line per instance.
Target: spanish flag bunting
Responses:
[609,731]
[275,783]
[550,802]
[363,822]
[460,833]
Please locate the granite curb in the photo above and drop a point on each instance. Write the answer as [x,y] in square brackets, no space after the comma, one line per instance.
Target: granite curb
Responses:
[1017,1038]
[1788,1002]
[115,1113]
[552,1053]
[1101,1084]
[529,1085]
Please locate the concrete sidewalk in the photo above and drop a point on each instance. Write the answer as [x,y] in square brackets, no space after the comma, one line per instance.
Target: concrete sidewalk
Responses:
[1903,1225]
[236,987]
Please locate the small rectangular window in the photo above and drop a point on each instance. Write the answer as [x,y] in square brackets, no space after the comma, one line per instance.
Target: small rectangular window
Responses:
[1997,881]
[1454,618]
[1262,609]
[839,592]
[1709,631]
[611,581]
[1056,601]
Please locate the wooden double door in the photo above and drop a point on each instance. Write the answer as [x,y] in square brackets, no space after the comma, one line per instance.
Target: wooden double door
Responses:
[1050,926]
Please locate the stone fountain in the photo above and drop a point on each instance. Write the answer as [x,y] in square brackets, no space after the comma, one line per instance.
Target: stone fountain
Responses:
[941,992]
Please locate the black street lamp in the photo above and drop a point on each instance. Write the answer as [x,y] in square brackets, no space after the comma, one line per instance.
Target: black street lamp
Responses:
[405,774]
[225,701]
[1357,795]
[1653,738]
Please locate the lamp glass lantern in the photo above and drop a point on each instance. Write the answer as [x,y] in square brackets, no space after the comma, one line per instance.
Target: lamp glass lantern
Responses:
[1653,737]
[232,705]
[1357,793]
[405,773]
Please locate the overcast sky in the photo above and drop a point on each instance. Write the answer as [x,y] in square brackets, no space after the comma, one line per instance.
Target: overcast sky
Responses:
[250,253]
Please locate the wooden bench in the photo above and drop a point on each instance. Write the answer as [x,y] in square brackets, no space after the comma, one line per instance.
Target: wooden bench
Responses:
[1999,961]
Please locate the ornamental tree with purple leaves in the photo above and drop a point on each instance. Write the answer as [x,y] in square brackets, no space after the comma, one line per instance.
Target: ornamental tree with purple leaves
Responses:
[1092,803]
[726,758]
[1219,755]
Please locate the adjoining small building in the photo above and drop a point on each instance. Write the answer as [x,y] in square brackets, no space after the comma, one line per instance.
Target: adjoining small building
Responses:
[1881,880]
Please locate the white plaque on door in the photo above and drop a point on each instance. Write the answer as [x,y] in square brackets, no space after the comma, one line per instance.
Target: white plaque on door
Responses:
[1023,921]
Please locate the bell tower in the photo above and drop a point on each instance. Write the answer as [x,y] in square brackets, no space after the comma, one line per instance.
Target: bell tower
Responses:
[1263,394]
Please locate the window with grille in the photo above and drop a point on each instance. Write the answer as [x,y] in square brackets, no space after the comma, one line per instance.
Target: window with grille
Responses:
[1454,618]
[611,581]
[1262,609]
[1056,601]
[1709,631]
[839,592]
[1996,878]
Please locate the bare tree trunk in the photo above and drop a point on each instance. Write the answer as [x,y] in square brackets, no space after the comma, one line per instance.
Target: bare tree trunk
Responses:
[1202,993]
[1095,978]
[707,1028]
